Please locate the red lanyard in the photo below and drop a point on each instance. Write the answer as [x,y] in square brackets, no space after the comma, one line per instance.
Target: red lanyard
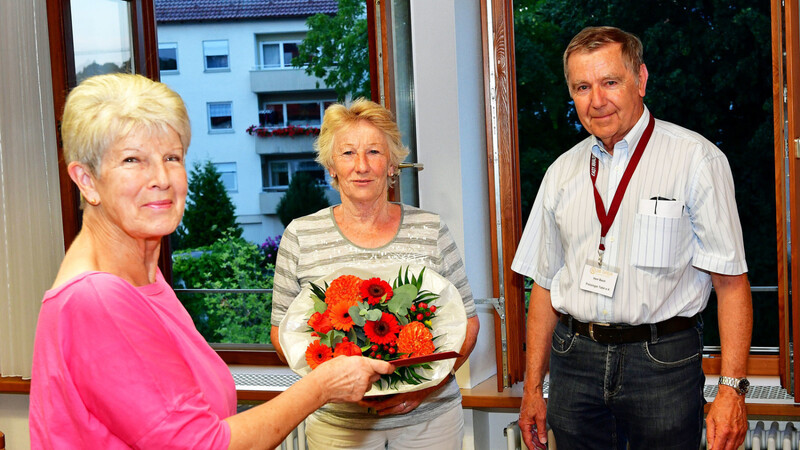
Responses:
[607,219]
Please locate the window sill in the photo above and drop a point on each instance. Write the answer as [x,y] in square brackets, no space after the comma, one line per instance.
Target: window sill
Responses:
[484,395]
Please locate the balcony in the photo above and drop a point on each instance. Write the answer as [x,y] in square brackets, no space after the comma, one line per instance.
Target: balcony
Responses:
[284,144]
[268,201]
[283,80]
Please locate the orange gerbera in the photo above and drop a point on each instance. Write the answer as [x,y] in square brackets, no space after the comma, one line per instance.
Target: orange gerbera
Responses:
[383,330]
[347,348]
[340,316]
[415,339]
[317,353]
[321,323]
[374,289]
[344,288]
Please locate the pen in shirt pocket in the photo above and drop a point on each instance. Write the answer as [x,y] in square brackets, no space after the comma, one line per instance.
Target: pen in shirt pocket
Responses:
[659,198]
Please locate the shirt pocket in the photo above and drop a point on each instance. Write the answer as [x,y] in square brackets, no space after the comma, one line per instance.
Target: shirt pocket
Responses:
[660,242]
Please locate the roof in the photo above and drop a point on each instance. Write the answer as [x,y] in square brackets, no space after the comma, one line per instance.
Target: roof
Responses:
[202,10]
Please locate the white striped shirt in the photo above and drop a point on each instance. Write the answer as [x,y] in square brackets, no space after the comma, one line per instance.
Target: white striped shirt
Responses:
[662,261]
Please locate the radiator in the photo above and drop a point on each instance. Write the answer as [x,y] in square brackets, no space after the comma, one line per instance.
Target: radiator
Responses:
[760,436]
[296,440]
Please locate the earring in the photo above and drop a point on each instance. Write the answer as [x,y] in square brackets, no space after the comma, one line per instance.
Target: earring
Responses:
[94,201]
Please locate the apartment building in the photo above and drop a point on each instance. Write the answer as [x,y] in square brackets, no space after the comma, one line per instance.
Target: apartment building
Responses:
[233,67]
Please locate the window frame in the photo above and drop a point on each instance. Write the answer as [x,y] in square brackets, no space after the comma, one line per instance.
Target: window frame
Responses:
[285,112]
[218,166]
[292,169]
[216,130]
[206,55]
[281,54]
[500,88]
[498,13]
[166,46]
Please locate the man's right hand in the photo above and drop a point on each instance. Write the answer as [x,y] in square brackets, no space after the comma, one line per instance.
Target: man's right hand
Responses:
[532,420]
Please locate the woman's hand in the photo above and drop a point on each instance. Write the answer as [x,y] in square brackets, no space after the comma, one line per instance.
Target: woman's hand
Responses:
[400,403]
[348,378]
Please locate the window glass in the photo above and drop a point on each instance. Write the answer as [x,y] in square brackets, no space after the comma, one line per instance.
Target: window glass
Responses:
[290,51]
[101,37]
[168,57]
[216,54]
[227,173]
[245,72]
[271,115]
[313,169]
[281,172]
[219,116]
[303,114]
[270,56]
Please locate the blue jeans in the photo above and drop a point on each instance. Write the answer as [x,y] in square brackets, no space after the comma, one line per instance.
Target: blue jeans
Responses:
[645,394]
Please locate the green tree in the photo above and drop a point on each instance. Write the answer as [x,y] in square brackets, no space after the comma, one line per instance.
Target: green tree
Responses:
[710,71]
[336,49]
[229,263]
[304,196]
[209,210]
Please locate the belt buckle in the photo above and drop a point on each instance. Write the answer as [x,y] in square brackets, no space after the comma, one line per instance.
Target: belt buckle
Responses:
[591,328]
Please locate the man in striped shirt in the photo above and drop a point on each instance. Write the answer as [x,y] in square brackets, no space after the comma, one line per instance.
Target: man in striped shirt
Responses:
[629,230]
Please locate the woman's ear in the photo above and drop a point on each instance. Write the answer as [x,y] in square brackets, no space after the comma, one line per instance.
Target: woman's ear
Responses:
[83,178]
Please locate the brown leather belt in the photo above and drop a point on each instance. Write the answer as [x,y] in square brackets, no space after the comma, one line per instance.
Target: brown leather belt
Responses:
[606,333]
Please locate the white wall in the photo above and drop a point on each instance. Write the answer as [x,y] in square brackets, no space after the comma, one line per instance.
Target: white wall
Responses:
[448,80]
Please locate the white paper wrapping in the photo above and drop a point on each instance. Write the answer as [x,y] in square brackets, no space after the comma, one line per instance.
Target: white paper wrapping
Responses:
[449,325]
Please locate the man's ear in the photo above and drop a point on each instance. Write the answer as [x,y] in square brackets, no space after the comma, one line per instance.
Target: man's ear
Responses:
[83,178]
[642,80]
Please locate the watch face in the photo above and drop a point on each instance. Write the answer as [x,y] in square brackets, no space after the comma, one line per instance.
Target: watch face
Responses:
[744,385]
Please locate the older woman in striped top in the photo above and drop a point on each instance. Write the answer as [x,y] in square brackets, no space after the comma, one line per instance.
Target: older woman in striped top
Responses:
[361,148]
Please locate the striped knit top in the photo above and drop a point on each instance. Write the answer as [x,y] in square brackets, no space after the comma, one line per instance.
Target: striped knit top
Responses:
[314,246]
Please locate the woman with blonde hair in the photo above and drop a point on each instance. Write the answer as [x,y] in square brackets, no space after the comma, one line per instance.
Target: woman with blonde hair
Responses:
[117,360]
[361,148]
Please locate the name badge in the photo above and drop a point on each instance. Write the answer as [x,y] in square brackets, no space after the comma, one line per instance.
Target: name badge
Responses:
[598,280]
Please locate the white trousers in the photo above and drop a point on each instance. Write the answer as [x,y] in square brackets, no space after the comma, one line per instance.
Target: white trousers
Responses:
[445,432]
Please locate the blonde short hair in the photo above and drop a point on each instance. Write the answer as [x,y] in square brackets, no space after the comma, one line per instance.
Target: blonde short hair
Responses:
[593,38]
[338,117]
[105,108]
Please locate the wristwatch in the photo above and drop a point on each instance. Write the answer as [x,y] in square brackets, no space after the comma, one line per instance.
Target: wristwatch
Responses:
[740,384]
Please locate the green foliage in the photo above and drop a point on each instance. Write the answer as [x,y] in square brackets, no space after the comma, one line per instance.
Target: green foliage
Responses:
[209,210]
[303,197]
[336,50]
[229,263]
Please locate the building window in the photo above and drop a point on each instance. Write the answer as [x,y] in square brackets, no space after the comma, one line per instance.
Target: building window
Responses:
[306,114]
[278,174]
[215,54]
[220,117]
[278,55]
[168,57]
[227,173]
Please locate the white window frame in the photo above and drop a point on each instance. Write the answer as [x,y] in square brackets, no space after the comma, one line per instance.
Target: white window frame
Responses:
[321,104]
[214,47]
[210,106]
[282,63]
[228,168]
[168,46]
[292,166]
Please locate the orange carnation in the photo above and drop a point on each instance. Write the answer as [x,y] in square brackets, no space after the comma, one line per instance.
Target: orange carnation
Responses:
[345,289]
[340,316]
[317,353]
[347,348]
[415,339]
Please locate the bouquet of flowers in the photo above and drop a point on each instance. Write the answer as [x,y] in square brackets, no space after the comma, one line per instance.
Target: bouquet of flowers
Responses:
[390,313]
